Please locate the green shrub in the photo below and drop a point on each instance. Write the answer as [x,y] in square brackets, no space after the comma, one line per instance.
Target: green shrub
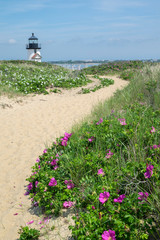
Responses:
[28,234]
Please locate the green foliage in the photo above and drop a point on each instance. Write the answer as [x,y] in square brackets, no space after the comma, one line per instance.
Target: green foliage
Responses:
[28,234]
[127,75]
[36,78]
[113,67]
[105,82]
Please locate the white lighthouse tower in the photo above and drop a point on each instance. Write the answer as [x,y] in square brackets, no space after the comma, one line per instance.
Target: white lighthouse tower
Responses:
[33,48]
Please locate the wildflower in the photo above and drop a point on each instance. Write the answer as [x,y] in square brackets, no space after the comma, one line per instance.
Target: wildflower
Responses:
[109,154]
[56,166]
[46,220]
[65,139]
[91,139]
[93,208]
[100,172]
[103,197]
[100,121]
[67,204]
[64,142]
[52,182]
[122,121]
[143,197]
[149,171]
[152,130]
[69,184]
[45,151]
[26,193]
[68,135]
[54,162]
[120,198]
[30,186]
[30,222]
[38,160]
[155,146]
[100,215]
[35,204]
[108,235]
[36,183]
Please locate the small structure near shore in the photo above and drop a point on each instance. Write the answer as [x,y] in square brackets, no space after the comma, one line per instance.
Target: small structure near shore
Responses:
[33,48]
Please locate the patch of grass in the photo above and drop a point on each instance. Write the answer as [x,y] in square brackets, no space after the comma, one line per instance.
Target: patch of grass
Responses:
[105,82]
[113,67]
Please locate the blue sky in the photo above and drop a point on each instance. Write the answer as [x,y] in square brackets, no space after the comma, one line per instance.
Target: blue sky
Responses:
[81,29]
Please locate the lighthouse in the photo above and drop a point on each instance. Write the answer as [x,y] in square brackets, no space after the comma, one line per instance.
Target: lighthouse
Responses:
[33,48]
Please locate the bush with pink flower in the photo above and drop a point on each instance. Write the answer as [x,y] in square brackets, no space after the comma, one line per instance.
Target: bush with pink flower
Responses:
[113,191]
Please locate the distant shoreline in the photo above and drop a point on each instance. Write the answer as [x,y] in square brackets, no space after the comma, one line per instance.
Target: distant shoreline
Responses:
[99,61]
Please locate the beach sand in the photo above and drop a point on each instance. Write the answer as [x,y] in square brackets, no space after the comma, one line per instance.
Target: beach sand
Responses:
[27,126]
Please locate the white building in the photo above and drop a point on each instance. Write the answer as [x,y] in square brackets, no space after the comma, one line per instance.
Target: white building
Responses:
[33,48]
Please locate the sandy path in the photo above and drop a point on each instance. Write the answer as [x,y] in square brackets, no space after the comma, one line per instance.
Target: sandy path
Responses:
[25,129]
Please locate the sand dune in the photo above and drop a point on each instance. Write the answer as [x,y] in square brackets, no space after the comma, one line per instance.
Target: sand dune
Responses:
[27,126]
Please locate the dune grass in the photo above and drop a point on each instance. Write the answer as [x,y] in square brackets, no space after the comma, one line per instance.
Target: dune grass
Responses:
[108,168]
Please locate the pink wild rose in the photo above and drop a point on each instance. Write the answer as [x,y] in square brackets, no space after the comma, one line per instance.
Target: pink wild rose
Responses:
[120,198]
[52,182]
[54,162]
[38,160]
[100,121]
[108,235]
[56,166]
[149,171]
[143,197]
[45,151]
[103,197]
[152,130]
[122,121]
[67,204]
[100,172]
[91,139]
[30,222]
[109,154]
[36,183]
[30,186]
[69,184]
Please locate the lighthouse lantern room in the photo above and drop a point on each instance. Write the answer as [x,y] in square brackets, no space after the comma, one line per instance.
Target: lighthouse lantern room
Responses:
[33,48]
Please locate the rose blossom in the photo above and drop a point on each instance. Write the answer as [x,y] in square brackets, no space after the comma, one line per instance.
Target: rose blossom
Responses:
[103,197]
[108,235]
[52,182]
[149,171]
[67,204]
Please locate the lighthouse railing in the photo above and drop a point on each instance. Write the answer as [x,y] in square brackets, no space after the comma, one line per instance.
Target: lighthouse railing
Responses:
[33,46]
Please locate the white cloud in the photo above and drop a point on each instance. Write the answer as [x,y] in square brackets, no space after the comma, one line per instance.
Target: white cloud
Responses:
[12,41]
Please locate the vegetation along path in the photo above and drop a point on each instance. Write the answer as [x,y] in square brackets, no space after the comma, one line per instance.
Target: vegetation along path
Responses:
[28,125]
